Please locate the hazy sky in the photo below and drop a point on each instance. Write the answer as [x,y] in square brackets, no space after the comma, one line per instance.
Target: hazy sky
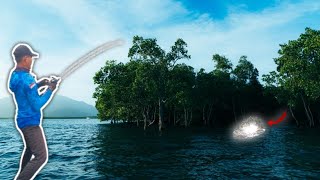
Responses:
[62,32]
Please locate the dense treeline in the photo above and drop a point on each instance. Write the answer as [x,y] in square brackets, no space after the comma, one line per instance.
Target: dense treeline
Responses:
[296,83]
[157,87]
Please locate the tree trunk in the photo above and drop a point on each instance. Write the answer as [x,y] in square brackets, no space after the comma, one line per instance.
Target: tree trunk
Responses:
[152,117]
[297,122]
[147,115]
[190,118]
[312,121]
[203,115]
[160,114]
[137,122]
[306,110]
[154,113]
[144,119]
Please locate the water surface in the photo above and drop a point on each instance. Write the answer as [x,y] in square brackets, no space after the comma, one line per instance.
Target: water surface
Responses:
[86,149]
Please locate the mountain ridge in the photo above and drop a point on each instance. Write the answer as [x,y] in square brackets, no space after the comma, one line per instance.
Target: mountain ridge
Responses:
[59,107]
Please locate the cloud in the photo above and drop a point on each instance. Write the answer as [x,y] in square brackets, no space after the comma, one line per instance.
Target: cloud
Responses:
[69,29]
[257,35]
[81,19]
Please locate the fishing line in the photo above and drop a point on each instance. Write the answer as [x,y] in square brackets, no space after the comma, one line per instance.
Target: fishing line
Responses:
[86,58]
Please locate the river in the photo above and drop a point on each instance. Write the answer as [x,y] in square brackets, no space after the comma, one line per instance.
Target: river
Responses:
[88,149]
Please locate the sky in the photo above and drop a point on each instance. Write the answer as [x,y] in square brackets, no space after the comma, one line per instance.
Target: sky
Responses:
[62,31]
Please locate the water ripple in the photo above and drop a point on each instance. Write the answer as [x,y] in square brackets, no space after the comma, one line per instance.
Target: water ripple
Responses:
[85,149]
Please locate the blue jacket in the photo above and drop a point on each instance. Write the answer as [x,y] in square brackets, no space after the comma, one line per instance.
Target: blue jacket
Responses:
[28,100]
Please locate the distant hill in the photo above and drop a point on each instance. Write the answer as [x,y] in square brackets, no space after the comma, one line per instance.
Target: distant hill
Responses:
[60,107]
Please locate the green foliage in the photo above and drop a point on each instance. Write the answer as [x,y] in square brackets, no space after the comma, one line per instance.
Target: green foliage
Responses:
[298,73]
[298,66]
[222,63]
[152,86]
[245,72]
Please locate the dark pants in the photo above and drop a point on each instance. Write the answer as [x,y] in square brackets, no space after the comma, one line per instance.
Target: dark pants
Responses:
[35,145]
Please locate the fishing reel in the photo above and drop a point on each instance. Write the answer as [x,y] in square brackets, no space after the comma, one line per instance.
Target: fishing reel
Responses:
[54,80]
[48,82]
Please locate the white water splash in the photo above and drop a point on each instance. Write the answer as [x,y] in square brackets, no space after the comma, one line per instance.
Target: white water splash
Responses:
[249,128]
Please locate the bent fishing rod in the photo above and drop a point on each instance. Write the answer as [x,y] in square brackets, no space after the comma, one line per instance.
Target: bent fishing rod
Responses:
[86,58]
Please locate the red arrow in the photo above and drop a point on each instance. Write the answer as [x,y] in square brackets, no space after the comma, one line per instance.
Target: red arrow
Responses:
[272,122]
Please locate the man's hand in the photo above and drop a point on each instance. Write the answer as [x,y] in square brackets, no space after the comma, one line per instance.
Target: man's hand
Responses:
[43,82]
[54,82]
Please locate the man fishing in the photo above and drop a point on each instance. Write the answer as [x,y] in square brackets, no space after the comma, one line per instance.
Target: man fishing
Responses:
[30,101]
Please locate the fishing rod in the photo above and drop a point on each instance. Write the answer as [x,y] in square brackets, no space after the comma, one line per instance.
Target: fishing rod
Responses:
[86,58]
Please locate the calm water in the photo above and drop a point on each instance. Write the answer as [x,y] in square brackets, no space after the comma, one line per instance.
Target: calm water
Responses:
[85,149]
